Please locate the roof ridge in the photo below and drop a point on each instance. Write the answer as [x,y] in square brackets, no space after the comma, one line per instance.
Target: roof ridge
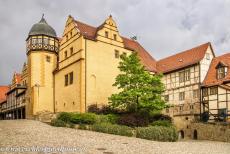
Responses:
[84,23]
[184,51]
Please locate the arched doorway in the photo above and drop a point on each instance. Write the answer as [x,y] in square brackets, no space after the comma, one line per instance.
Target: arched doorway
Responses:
[181,134]
[195,135]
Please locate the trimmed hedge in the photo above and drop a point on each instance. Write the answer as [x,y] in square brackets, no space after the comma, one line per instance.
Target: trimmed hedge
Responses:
[112,129]
[157,133]
[164,123]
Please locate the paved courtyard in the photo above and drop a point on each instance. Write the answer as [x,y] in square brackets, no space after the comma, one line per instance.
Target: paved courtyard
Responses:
[36,137]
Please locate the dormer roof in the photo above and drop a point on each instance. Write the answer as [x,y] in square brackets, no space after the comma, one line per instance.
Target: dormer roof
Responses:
[211,77]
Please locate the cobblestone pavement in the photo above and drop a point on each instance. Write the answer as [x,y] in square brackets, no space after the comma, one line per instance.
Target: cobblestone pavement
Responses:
[28,135]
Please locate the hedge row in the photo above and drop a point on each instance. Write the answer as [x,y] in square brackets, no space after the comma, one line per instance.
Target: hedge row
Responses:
[157,133]
[112,129]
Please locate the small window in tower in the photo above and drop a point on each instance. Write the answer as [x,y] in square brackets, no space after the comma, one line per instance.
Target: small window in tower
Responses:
[66,54]
[67,37]
[115,37]
[34,41]
[106,34]
[66,80]
[71,78]
[71,51]
[46,41]
[117,54]
[48,58]
[71,34]
[39,40]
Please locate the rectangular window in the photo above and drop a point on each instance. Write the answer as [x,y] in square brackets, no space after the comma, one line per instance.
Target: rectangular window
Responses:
[166,98]
[106,34]
[181,77]
[221,72]
[66,54]
[71,50]
[48,58]
[181,108]
[66,80]
[71,78]
[195,93]
[115,37]
[213,90]
[117,54]
[191,106]
[187,75]
[181,96]
[205,92]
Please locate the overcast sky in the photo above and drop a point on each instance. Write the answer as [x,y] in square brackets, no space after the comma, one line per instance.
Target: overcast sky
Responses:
[162,27]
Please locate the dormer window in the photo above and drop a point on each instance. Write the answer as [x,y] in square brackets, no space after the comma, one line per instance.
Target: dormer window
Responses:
[106,34]
[221,70]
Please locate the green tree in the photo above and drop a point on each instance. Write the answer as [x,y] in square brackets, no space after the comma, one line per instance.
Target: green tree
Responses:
[139,89]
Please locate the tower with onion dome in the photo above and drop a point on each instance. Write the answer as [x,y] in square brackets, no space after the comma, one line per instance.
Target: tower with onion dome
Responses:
[42,47]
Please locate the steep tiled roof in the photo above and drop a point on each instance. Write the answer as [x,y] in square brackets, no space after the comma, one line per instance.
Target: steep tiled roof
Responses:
[89,32]
[182,59]
[211,77]
[147,60]
[3,91]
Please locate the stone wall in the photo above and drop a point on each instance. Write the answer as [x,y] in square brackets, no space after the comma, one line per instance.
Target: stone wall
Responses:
[210,131]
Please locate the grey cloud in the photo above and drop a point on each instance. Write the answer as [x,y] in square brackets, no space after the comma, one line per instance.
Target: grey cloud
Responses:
[163,27]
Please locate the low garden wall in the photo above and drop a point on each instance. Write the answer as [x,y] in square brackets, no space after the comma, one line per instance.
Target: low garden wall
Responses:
[210,131]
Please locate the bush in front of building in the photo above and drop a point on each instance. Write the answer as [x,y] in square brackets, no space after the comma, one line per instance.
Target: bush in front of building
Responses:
[157,133]
[164,123]
[112,129]
[109,118]
[83,118]
[65,116]
[133,120]
[58,123]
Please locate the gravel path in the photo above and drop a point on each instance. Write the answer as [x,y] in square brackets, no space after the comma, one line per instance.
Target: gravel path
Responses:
[24,135]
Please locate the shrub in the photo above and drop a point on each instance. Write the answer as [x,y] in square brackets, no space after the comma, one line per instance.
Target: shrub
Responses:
[112,129]
[65,116]
[165,123]
[157,133]
[84,118]
[82,126]
[58,123]
[133,120]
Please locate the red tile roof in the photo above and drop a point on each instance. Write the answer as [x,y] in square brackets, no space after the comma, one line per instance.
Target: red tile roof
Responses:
[211,77]
[90,32]
[3,91]
[182,59]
